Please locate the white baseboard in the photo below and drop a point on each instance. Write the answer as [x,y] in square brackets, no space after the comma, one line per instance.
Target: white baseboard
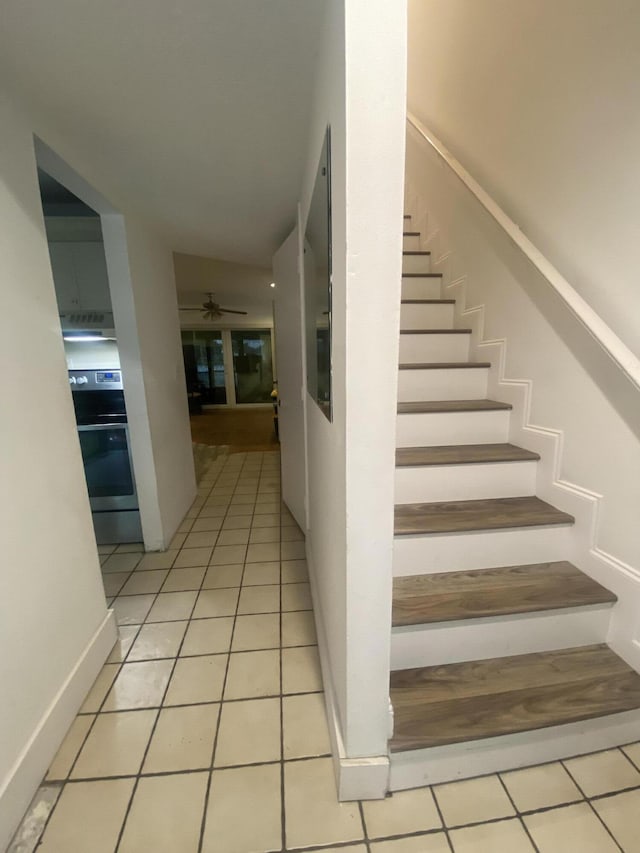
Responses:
[356,778]
[32,764]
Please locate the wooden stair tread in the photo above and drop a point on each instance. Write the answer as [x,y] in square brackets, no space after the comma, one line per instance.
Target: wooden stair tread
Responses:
[421,275]
[486,514]
[422,599]
[414,252]
[444,365]
[428,301]
[427,406]
[462,454]
[488,698]
[410,233]
[435,331]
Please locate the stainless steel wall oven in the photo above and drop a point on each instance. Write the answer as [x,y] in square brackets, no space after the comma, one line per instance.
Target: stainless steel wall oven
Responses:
[101,416]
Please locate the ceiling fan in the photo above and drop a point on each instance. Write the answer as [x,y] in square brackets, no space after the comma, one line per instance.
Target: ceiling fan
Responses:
[211,310]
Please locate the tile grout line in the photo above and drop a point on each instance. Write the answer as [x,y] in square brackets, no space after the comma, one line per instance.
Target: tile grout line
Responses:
[158,713]
[517,811]
[203,822]
[365,831]
[441,816]
[100,710]
[588,801]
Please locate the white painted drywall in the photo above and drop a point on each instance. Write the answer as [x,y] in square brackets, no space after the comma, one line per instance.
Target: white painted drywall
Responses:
[53,617]
[217,169]
[141,283]
[351,459]
[290,373]
[571,403]
[51,596]
[539,101]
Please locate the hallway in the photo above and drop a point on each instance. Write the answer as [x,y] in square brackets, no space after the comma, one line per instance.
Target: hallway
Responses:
[206,729]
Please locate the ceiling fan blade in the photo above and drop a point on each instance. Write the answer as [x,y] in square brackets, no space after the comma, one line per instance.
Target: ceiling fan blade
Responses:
[230,311]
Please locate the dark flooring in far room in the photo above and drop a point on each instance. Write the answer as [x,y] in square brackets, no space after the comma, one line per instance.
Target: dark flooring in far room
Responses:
[241,430]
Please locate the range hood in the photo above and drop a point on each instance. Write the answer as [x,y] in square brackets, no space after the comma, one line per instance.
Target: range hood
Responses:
[86,321]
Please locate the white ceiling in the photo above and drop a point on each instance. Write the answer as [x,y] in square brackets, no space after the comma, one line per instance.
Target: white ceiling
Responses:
[239,286]
[196,110]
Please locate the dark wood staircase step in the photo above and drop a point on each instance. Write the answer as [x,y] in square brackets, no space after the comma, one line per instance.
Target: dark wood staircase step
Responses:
[444,365]
[421,275]
[410,233]
[432,406]
[435,331]
[427,301]
[422,599]
[415,252]
[462,454]
[487,514]
[482,699]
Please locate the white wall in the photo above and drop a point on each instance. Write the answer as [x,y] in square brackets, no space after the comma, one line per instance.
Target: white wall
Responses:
[290,371]
[143,297]
[539,101]
[145,311]
[54,631]
[572,404]
[351,460]
[54,627]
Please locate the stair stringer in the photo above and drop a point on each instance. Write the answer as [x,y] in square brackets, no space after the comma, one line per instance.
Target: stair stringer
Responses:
[584,504]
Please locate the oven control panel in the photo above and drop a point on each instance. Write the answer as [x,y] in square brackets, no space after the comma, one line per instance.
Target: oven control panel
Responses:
[94,380]
[108,377]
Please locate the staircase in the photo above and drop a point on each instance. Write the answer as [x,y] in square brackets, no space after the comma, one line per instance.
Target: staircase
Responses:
[498,649]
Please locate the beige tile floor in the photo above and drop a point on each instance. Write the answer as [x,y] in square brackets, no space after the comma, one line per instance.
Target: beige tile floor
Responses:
[206,730]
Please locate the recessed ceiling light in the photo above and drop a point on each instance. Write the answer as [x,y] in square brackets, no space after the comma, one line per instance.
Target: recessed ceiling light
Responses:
[273,284]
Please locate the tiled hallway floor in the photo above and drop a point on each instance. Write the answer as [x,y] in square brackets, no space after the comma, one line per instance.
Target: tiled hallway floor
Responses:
[206,728]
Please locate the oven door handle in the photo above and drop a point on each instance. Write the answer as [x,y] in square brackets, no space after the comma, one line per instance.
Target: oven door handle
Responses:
[85,427]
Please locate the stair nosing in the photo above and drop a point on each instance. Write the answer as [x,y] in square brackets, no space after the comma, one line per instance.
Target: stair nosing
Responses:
[557,518]
[526,455]
[421,275]
[410,233]
[444,365]
[446,406]
[502,686]
[427,301]
[435,331]
[523,578]
[415,251]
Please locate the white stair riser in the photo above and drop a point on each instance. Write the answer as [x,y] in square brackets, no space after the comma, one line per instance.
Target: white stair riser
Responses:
[467,383]
[421,348]
[416,263]
[456,552]
[434,428]
[427,316]
[411,243]
[442,643]
[422,288]
[419,767]
[432,483]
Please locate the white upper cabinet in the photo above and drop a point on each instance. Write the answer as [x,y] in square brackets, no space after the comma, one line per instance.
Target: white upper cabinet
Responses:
[78,263]
[64,277]
[91,276]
